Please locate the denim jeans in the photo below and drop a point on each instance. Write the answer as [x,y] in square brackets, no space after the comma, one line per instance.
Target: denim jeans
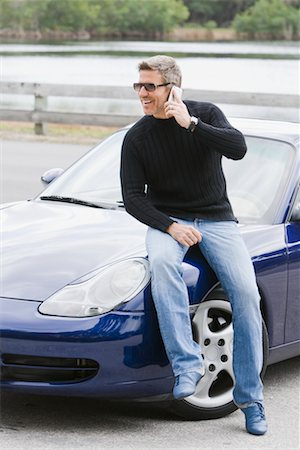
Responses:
[226,252]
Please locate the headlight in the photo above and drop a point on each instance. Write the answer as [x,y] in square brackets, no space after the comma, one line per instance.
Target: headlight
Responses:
[108,288]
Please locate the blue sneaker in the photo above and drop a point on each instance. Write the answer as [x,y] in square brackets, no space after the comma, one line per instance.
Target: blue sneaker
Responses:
[255,419]
[186,384]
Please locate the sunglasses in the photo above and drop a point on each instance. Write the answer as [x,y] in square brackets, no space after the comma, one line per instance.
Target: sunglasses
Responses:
[150,87]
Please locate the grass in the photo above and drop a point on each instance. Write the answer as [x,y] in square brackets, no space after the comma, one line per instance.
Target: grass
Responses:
[75,134]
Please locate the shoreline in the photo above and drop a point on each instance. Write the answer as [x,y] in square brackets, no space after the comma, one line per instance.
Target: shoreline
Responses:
[180,34]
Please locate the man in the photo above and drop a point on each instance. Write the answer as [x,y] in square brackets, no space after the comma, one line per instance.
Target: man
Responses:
[172,181]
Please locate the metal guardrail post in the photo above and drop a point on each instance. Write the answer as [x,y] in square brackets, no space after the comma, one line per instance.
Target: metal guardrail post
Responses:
[40,104]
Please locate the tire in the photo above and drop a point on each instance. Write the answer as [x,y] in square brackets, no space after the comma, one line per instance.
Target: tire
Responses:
[212,325]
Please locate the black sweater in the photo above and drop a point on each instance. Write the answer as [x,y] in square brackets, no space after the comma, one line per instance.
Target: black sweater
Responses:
[169,171]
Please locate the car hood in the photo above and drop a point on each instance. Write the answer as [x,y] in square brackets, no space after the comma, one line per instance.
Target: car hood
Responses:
[47,245]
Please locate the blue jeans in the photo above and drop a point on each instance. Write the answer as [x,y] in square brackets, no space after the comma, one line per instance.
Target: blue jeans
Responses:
[226,252]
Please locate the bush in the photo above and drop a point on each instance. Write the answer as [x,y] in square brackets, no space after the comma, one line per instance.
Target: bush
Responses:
[144,17]
[270,19]
[101,16]
[210,25]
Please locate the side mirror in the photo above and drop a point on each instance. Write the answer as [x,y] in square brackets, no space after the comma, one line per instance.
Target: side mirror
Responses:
[51,175]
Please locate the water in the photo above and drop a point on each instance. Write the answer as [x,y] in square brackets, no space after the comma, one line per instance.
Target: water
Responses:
[114,63]
[275,49]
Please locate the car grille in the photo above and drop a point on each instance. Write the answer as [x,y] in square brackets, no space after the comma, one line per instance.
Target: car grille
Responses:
[46,370]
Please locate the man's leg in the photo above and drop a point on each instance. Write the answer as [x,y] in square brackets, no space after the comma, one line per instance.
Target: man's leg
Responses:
[171,301]
[226,252]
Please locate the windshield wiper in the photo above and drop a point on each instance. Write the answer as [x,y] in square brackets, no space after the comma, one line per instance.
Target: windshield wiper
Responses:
[77,201]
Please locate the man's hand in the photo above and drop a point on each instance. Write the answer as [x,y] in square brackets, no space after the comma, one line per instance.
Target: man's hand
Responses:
[178,110]
[184,234]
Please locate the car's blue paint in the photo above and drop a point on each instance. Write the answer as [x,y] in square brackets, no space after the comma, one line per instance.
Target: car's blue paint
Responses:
[293,297]
[113,340]
[48,245]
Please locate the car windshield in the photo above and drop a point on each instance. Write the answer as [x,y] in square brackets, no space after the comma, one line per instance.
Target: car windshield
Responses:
[254,184]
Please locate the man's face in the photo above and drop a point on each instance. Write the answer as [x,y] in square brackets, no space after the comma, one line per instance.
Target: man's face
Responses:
[153,102]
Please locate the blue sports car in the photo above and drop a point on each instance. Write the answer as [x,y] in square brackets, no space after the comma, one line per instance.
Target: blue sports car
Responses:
[77,317]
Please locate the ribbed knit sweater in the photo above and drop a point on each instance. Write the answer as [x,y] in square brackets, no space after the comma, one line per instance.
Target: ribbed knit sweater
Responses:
[169,172]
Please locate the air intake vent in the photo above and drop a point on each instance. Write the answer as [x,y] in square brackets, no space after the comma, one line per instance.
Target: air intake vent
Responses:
[46,370]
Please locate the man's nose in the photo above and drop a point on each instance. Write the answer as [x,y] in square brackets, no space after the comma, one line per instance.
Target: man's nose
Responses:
[143,91]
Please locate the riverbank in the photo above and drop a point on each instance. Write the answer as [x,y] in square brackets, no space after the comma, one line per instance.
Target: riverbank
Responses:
[180,34]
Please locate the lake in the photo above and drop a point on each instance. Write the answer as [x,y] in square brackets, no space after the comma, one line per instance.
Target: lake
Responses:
[240,66]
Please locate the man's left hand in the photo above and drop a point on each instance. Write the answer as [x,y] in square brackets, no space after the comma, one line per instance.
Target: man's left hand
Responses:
[177,109]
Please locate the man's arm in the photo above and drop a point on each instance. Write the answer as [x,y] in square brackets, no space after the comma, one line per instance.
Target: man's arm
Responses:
[218,133]
[133,181]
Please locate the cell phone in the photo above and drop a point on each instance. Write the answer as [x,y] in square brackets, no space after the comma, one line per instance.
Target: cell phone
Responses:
[178,91]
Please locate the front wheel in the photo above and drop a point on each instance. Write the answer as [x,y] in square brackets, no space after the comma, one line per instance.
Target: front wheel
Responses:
[213,330]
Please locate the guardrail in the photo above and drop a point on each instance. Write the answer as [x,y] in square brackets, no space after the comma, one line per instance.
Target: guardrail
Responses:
[40,115]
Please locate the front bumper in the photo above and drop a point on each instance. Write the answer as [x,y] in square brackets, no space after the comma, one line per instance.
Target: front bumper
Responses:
[116,355]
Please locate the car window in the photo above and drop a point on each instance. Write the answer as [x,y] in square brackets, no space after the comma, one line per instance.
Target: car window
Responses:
[96,176]
[295,215]
[254,183]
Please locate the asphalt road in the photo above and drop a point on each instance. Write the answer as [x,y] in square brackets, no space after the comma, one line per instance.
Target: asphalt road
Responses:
[38,423]
[23,163]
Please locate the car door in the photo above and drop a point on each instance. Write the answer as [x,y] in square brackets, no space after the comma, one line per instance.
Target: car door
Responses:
[292,329]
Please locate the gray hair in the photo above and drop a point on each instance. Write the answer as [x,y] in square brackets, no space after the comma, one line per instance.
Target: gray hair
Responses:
[166,65]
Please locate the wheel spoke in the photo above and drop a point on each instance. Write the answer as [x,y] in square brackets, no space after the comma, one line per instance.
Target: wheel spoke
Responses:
[227,333]
[229,368]
[204,325]
[228,349]
[205,384]
[227,337]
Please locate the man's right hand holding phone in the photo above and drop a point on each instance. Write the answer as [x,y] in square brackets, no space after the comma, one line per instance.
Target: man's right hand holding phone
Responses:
[174,107]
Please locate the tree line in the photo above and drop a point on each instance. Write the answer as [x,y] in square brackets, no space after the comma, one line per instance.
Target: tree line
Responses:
[269,19]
